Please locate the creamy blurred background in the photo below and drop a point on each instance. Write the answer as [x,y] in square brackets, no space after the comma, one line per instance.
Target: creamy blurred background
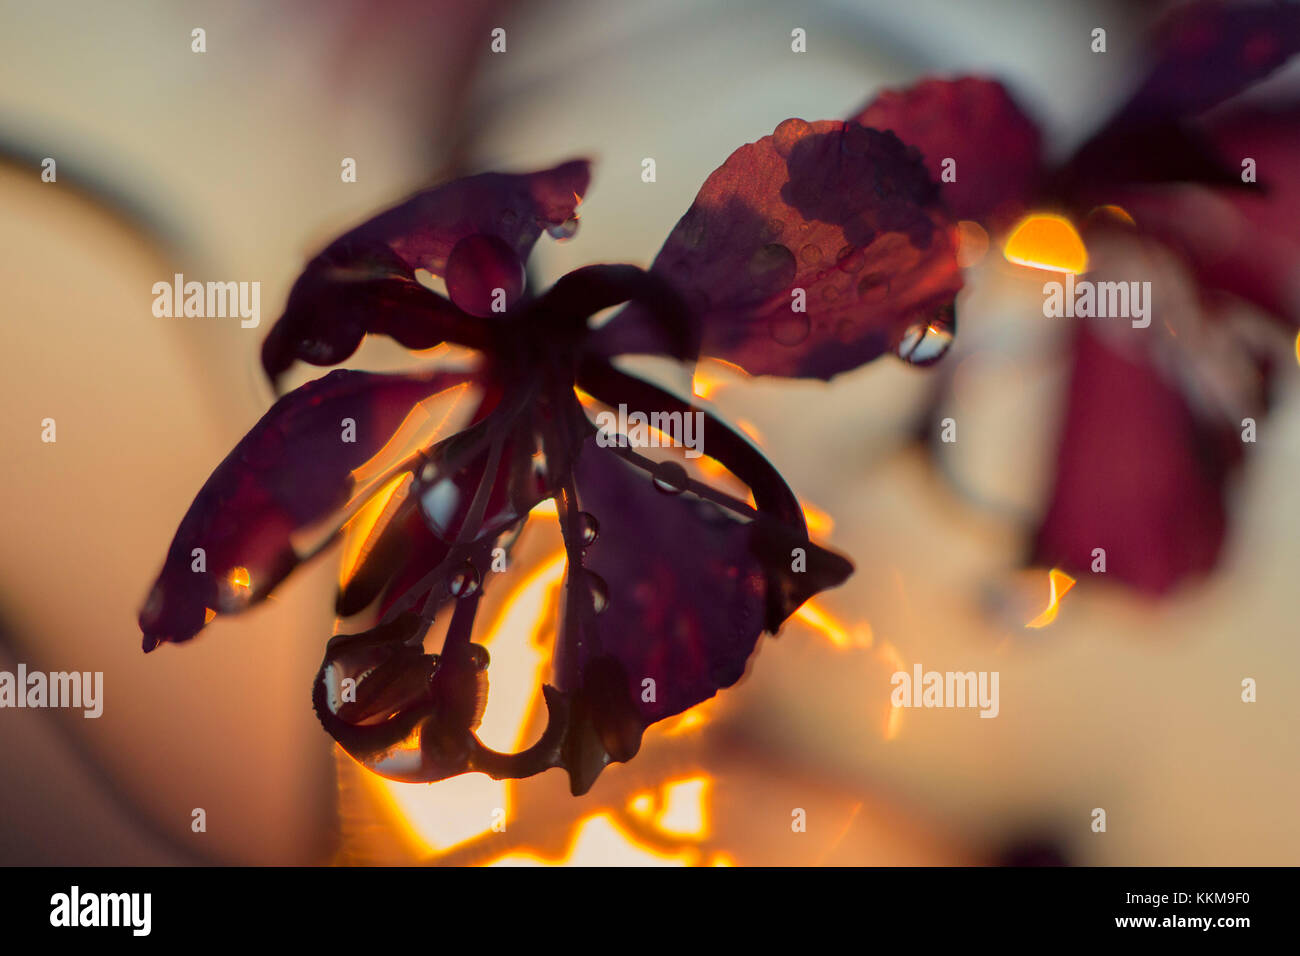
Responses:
[225,165]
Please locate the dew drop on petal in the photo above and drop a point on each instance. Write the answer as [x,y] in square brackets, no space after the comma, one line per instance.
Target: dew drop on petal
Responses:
[479,265]
[670,477]
[787,134]
[850,259]
[599,591]
[811,254]
[927,341]
[563,230]
[588,528]
[772,269]
[464,581]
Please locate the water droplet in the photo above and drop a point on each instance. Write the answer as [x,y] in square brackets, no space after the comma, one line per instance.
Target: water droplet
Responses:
[772,269]
[588,528]
[790,328]
[670,477]
[439,503]
[850,259]
[479,265]
[478,656]
[787,134]
[464,581]
[925,342]
[811,254]
[599,591]
[563,230]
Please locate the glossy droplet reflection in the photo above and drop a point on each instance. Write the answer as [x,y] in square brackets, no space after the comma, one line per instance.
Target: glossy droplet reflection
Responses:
[670,477]
[464,582]
[771,269]
[599,592]
[479,265]
[563,230]
[787,134]
[925,342]
[588,528]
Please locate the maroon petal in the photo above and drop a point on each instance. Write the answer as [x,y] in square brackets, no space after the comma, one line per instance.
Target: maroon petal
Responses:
[1137,475]
[292,470]
[1246,240]
[365,280]
[975,122]
[846,214]
[1204,54]
[1207,52]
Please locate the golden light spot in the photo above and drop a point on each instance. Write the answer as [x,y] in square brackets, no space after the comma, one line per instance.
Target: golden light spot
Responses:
[813,615]
[208,615]
[239,579]
[1060,583]
[1297,347]
[359,538]
[1046,241]
[819,522]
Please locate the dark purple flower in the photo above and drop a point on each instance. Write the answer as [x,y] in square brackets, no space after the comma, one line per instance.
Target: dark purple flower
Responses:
[669,579]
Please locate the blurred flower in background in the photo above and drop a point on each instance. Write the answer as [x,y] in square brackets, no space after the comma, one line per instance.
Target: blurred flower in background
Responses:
[226,165]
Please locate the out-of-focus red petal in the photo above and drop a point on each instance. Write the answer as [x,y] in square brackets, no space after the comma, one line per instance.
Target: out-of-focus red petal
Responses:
[845,215]
[1137,475]
[365,280]
[1207,52]
[1202,55]
[292,470]
[1244,240]
[975,122]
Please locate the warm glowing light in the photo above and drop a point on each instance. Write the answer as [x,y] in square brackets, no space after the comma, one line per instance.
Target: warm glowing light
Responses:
[749,429]
[1060,583]
[239,579]
[418,429]
[359,538]
[713,374]
[816,617]
[209,615]
[819,522]
[1050,242]
[598,840]
[1297,347]
[683,811]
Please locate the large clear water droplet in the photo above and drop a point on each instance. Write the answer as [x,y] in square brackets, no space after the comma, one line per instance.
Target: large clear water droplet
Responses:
[464,581]
[927,341]
[563,230]
[787,135]
[477,267]
[599,591]
[588,528]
